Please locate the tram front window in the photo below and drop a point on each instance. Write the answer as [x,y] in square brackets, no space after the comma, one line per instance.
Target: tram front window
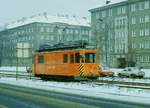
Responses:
[90,58]
[85,58]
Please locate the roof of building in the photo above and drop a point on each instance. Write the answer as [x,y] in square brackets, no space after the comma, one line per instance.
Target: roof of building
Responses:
[110,5]
[44,18]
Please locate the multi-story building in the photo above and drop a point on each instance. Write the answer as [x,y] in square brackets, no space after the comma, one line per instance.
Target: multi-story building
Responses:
[37,30]
[122,32]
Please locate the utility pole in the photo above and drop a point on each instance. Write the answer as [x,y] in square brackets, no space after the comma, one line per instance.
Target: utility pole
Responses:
[64,33]
[106,40]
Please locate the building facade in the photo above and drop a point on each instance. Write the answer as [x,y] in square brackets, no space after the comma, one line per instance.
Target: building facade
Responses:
[122,32]
[36,31]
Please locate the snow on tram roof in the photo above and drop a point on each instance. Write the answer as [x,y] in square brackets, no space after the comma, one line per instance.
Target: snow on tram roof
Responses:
[51,19]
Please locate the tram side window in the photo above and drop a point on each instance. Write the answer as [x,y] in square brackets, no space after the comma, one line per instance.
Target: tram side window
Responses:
[90,57]
[41,59]
[65,60]
[77,58]
[72,58]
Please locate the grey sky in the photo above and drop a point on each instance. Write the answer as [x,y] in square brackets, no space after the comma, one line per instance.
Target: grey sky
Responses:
[11,10]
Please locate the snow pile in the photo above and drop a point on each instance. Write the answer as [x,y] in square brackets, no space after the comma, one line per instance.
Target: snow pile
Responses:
[88,89]
[12,69]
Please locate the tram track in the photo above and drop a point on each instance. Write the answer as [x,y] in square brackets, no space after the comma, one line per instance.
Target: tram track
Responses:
[113,81]
[126,84]
[23,75]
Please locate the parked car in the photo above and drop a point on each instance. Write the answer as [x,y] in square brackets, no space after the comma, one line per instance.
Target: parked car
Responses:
[105,72]
[131,72]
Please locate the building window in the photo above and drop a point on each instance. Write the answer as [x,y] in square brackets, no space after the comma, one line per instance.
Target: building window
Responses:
[52,37]
[142,59]
[142,45]
[119,11]
[110,12]
[51,30]
[86,32]
[41,29]
[133,7]
[146,45]
[103,13]
[97,15]
[71,31]
[147,18]
[141,32]
[42,37]
[133,33]
[47,29]
[76,31]
[141,5]
[133,21]
[146,5]
[147,30]
[103,25]
[47,37]
[133,45]
[67,31]
[142,19]
[147,58]
[123,10]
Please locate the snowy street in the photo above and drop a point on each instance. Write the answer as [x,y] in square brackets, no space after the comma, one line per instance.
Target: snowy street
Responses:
[25,97]
[106,91]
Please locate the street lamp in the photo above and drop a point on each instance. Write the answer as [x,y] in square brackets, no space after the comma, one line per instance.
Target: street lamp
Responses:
[57,37]
[63,33]
[106,39]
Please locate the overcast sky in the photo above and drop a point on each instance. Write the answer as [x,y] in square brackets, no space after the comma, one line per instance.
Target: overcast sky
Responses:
[12,10]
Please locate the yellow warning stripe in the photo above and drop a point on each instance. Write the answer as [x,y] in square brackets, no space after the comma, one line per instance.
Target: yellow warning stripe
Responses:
[81,70]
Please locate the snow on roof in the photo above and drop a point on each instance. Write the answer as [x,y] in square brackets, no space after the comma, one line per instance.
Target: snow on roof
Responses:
[116,1]
[112,2]
[44,18]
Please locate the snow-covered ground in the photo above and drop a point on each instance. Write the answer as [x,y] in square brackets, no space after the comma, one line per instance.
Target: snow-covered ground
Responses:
[88,89]
[126,79]
[23,71]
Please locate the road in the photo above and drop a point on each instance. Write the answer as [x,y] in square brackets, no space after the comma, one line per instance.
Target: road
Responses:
[21,97]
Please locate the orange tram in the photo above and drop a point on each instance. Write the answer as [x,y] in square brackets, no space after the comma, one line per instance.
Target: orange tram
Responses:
[66,62]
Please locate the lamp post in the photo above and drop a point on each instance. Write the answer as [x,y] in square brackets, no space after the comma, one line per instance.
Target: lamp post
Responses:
[57,37]
[106,40]
[64,33]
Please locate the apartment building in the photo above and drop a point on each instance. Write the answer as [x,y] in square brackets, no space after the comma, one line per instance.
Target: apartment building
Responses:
[122,33]
[37,30]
